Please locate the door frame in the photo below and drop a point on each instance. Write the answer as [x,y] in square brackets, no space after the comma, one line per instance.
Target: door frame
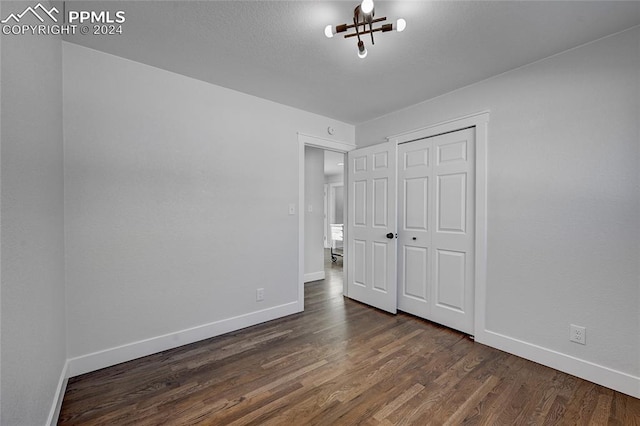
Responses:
[480,121]
[326,144]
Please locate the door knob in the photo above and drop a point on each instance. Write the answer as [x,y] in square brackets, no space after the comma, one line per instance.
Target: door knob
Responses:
[414,238]
[390,235]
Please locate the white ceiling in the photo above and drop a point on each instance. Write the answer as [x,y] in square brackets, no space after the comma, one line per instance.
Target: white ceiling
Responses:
[277,50]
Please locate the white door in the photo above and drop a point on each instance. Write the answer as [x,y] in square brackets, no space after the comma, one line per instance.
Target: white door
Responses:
[436,179]
[372,260]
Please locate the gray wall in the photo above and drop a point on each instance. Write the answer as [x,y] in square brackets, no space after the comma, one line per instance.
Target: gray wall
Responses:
[177,195]
[33,338]
[338,206]
[313,220]
[563,196]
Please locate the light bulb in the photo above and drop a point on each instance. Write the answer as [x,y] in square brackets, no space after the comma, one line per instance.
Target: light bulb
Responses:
[366,6]
[362,51]
[329,31]
[401,24]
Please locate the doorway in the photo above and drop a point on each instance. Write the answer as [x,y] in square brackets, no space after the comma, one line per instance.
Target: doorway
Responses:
[323,211]
[334,202]
[340,148]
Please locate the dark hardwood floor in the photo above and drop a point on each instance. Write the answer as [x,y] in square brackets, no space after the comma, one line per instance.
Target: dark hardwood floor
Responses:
[339,363]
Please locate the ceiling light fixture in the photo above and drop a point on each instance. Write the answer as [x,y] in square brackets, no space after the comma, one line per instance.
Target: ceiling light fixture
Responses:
[363,16]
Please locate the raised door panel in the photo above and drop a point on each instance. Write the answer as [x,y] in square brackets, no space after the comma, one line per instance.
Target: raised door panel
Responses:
[359,254]
[453,151]
[415,158]
[380,160]
[416,204]
[360,164]
[415,266]
[452,203]
[379,266]
[450,280]
[380,202]
[360,203]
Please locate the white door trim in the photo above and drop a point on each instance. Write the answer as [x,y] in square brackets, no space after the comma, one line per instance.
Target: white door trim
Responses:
[481,122]
[331,145]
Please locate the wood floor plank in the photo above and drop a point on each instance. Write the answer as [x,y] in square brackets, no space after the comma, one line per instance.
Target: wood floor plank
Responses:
[487,386]
[602,410]
[339,363]
[398,402]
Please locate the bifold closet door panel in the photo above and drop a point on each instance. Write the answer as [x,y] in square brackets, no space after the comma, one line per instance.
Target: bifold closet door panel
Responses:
[414,227]
[436,228]
[372,258]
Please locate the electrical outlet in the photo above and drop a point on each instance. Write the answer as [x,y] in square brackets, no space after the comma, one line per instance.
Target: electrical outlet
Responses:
[578,334]
[260,295]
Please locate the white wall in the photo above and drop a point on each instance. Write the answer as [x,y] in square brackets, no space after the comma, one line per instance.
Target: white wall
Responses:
[314,219]
[334,179]
[174,217]
[33,348]
[563,197]
[338,205]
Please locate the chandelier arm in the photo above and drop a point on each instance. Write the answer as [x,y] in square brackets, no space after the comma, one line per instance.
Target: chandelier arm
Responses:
[345,27]
[355,24]
[375,30]
[371,32]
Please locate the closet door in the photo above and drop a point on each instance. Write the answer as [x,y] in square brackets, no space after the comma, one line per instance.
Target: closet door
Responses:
[436,223]
[414,227]
[372,260]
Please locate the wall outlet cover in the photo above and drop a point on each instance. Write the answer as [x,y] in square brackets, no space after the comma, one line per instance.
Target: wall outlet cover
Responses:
[578,334]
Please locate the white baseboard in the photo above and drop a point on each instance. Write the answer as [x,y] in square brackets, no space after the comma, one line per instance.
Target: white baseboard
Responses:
[605,376]
[314,276]
[108,357]
[54,413]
